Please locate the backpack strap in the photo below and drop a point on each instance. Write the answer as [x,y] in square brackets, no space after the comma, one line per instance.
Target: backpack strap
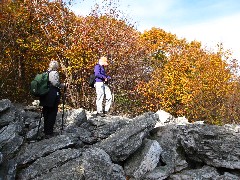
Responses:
[49,82]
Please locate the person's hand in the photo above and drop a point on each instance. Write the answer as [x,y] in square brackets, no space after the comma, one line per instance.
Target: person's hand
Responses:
[66,85]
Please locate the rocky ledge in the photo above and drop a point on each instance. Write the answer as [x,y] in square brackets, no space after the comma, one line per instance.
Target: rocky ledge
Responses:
[152,146]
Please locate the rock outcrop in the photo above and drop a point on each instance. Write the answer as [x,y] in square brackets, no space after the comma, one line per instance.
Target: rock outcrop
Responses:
[153,146]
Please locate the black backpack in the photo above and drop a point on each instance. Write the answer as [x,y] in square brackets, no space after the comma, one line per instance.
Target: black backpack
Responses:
[92,80]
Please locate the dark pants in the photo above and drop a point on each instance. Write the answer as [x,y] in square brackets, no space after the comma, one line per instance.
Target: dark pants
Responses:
[49,114]
[50,108]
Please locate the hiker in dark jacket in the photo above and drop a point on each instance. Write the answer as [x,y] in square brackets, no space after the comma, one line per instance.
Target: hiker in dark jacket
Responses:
[102,89]
[51,100]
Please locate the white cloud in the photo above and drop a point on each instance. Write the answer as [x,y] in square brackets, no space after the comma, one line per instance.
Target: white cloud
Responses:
[225,30]
[145,8]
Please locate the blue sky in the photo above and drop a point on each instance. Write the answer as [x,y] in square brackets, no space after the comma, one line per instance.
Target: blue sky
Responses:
[208,21]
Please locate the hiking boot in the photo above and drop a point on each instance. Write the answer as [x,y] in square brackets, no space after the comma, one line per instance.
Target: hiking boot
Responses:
[101,114]
[106,113]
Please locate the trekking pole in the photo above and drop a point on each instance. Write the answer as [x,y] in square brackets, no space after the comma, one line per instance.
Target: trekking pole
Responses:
[39,124]
[111,84]
[63,98]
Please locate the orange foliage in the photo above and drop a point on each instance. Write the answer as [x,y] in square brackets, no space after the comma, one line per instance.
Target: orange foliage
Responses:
[191,82]
[150,71]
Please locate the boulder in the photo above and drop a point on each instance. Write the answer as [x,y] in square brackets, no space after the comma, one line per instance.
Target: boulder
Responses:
[152,146]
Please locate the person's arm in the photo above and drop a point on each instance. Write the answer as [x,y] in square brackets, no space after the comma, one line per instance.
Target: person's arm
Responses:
[54,79]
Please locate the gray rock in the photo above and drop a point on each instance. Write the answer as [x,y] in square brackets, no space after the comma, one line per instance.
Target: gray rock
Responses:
[33,114]
[8,133]
[12,147]
[127,140]
[205,172]
[159,173]
[104,127]
[36,150]
[232,127]
[71,170]
[4,105]
[227,176]
[10,170]
[214,145]
[76,117]
[145,159]
[83,134]
[7,117]
[33,133]
[46,164]
[10,142]
[173,155]
[98,165]
[188,150]
[1,158]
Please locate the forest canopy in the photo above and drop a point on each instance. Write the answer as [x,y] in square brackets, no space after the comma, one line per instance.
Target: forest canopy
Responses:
[150,70]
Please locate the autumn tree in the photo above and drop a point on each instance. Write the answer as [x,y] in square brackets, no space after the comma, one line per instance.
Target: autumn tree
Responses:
[48,30]
[191,81]
[33,33]
[103,32]
[21,46]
